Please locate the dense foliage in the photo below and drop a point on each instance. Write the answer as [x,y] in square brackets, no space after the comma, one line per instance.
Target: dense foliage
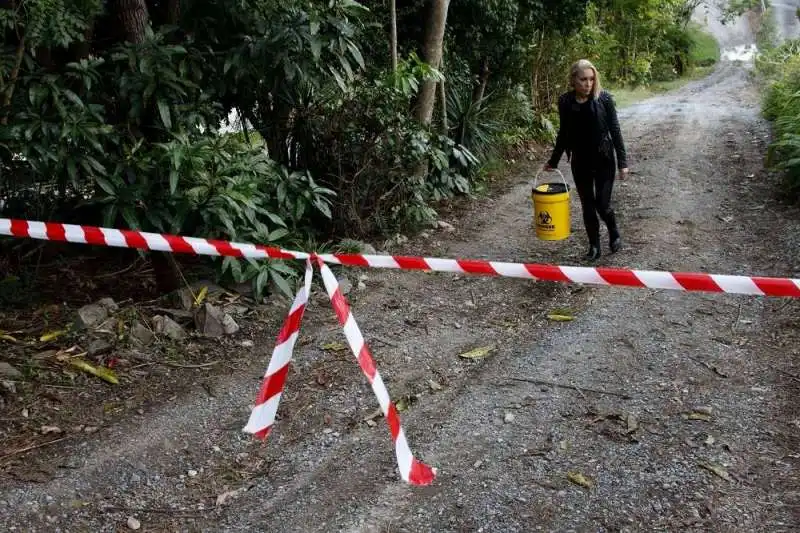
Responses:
[116,112]
[779,69]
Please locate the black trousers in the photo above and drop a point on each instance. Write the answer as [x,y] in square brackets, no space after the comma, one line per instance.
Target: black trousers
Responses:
[594,180]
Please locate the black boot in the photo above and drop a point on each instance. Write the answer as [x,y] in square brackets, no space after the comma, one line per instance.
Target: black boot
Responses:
[594,246]
[594,252]
[614,239]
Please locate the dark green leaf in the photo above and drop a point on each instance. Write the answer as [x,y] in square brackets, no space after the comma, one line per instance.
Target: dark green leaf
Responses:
[163,111]
[110,216]
[278,234]
[130,218]
[261,283]
[276,219]
[173,181]
[282,284]
[105,185]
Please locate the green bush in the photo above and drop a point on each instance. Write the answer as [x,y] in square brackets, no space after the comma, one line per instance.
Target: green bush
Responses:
[780,71]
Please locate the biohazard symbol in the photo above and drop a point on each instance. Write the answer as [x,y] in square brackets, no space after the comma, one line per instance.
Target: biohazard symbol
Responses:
[544,218]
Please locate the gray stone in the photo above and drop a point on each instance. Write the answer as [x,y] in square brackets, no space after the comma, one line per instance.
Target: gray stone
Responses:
[8,371]
[91,315]
[345,285]
[109,304]
[141,335]
[164,325]
[209,321]
[8,387]
[98,346]
[229,325]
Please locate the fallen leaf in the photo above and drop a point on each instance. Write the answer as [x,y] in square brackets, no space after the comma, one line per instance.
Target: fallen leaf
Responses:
[105,374]
[334,347]
[560,316]
[405,402]
[716,469]
[225,497]
[580,479]
[709,441]
[478,353]
[7,337]
[632,423]
[47,337]
[45,354]
[434,386]
[201,296]
[372,416]
[699,416]
[50,429]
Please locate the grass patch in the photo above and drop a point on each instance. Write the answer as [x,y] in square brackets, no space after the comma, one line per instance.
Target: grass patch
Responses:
[705,50]
[704,54]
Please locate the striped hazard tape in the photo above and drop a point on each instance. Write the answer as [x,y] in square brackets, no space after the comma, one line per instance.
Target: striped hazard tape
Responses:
[262,417]
[679,281]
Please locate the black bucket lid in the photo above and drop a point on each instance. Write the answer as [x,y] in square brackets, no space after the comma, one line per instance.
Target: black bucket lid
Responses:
[551,188]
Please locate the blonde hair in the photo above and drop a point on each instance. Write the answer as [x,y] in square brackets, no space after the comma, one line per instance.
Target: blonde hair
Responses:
[578,67]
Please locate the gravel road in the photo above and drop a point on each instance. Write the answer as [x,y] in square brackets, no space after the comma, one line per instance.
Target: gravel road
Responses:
[678,409]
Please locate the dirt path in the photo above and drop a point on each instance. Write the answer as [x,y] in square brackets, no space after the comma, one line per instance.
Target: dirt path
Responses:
[698,201]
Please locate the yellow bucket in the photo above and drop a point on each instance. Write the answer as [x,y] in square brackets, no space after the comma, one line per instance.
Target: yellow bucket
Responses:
[551,216]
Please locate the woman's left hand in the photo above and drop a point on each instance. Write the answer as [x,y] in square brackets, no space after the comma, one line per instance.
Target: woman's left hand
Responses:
[623,173]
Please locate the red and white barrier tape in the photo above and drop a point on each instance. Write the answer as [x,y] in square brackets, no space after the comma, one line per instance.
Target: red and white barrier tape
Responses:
[263,414]
[680,281]
[262,417]
[411,470]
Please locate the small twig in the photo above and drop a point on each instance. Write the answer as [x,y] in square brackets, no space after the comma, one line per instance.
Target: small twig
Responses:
[142,365]
[34,446]
[151,510]
[738,317]
[573,387]
[779,504]
[43,384]
[711,368]
[785,373]
[585,399]
[123,271]
[177,365]
[384,342]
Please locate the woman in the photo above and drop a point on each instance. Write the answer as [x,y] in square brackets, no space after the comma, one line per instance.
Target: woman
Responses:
[589,133]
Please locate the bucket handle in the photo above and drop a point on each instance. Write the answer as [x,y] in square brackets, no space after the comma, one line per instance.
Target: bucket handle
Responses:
[536,178]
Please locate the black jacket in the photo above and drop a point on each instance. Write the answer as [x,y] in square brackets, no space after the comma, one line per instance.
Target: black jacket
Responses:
[605,112]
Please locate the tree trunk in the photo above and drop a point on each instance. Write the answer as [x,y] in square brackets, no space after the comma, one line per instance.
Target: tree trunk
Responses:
[483,80]
[173,11]
[432,54]
[134,19]
[12,81]
[535,100]
[443,96]
[393,36]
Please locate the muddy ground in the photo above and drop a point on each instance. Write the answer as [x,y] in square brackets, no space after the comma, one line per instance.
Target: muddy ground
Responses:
[680,410]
